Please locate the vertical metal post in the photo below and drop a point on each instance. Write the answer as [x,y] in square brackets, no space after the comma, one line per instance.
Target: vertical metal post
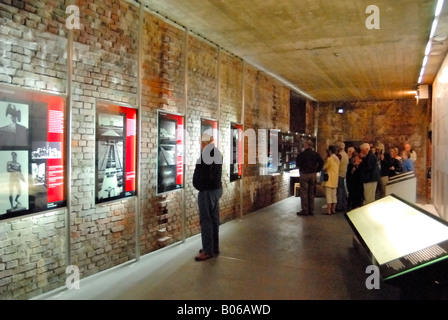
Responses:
[184,200]
[242,150]
[68,143]
[139,133]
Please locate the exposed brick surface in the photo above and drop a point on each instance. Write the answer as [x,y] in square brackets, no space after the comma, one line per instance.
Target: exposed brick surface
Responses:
[390,122]
[33,46]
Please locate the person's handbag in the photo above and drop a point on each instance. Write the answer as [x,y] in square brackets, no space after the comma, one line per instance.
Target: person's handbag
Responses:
[325,176]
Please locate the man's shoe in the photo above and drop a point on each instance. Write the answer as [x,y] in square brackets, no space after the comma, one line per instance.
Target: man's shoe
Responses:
[302,213]
[203,256]
[216,252]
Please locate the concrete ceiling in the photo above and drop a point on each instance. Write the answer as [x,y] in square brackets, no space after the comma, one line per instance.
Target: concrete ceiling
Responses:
[322,49]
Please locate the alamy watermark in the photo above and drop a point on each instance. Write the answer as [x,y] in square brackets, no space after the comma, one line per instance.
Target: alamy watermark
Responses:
[72,281]
[373,280]
[72,22]
[372,21]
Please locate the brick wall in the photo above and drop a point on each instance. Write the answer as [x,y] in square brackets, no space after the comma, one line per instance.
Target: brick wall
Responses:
[33,44]
[34,48]
[374,121]
[104,68]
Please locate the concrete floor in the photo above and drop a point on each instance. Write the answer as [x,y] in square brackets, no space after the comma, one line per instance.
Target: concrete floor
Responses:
[271,254]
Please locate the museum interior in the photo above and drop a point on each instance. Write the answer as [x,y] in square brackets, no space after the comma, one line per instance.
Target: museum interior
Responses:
[102,109]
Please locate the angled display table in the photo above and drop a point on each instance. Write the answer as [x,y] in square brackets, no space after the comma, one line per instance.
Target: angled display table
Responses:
[408,244]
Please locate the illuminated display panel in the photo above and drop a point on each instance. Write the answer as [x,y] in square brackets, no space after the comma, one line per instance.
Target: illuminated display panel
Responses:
[116,147]
[170,160]
[32,152]
[236,151]
[399,236]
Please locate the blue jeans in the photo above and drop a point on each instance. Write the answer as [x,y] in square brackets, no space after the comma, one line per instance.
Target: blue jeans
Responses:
[208,202]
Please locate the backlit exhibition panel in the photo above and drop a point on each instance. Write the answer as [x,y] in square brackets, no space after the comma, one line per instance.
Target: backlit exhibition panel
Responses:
[399,236]
[32,152]
[116,147]
[236,152]
[170,147]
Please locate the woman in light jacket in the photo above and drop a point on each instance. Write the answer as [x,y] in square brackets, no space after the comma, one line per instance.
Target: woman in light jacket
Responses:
[331,167]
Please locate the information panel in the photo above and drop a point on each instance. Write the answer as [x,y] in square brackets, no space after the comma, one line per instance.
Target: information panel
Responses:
[399,236]
[116,147]
[32,152]
[170,164]
[236,152]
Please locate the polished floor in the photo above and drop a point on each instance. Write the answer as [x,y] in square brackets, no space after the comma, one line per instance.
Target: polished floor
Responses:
[271,254]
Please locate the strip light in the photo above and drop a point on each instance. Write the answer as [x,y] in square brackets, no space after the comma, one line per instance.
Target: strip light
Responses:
[431,35]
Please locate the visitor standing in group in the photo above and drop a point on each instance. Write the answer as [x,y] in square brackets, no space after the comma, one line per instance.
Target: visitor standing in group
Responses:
[370,173]
[331,167]
[341,205]
[309,163]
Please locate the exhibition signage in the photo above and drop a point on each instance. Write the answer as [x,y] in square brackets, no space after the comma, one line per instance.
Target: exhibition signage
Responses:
[170,161]
[32,152]
[116,147]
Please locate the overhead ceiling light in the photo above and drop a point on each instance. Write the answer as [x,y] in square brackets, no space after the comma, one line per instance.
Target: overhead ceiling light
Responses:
[435,53]
[431,36]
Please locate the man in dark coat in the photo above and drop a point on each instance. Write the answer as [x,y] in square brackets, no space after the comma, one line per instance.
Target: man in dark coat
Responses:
[370,173]
[309,163]
[207,179]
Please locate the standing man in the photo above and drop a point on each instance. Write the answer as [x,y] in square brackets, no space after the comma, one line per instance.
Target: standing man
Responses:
[342,186]
[207,179]
[370,173]
[309,163]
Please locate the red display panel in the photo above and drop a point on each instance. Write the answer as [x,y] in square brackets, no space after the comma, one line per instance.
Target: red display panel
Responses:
[32,152]
[170,164]
[116,152]
[236,152]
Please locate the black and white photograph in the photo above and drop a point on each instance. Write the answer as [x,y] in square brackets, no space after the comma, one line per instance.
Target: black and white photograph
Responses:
[13,182]
[13,124]
[167,149]
[167,131]
[38,186]
[46,150]
[235,152]
[110,156]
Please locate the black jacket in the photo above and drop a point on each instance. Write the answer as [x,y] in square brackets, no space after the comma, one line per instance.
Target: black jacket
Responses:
[370,171]
[208,170]
[309,161]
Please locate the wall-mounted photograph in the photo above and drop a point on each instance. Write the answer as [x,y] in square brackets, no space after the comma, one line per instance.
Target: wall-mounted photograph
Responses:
[115,162]
[170,160]
[236,152]
[14,182]
[14,124]
[32,146]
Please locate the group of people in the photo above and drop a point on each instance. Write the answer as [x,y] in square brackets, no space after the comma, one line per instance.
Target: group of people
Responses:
[351,178]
